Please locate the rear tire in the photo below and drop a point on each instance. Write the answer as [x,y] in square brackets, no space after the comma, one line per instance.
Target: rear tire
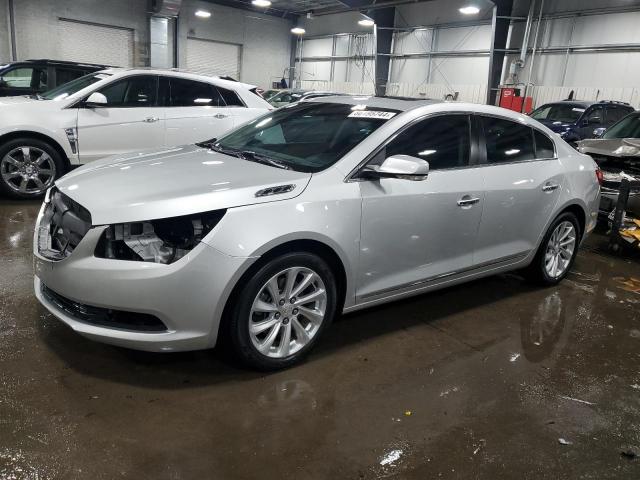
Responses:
[557,251]
[282,310]
[28,167]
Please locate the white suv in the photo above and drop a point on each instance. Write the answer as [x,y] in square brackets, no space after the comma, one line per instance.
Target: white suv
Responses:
[113,112]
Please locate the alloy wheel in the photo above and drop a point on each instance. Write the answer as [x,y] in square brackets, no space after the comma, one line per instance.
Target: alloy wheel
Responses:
[287,312]
[28,170]
[560,248]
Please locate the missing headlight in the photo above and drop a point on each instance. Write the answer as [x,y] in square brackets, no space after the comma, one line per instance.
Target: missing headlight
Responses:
[160,241]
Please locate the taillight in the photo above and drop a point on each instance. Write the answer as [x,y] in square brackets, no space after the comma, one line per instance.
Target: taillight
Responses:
[599,176]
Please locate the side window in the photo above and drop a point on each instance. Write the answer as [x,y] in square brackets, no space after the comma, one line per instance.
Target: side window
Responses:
[187,93]
[136,91]
[24,77]
[230,97]
[616,113]
[444,141]
[64,75]
[544,145]
[594,116]
[507,141]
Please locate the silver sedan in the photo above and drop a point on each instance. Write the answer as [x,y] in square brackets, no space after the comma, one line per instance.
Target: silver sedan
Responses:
[260,238]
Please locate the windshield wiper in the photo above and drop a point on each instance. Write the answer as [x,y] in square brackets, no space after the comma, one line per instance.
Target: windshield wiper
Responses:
[256,157]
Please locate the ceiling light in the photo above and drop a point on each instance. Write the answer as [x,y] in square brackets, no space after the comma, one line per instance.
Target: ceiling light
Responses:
[261,3]
[298,30]
[203,13]
[366,21]
[469,10]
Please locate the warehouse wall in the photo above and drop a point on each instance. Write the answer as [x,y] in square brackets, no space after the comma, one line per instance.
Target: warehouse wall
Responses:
[5,45]
[38,29]
[265,40]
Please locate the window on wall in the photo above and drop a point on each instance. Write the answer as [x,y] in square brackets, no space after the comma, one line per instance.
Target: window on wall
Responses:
[507,141]
[187,93]
[136,91]
[443,141]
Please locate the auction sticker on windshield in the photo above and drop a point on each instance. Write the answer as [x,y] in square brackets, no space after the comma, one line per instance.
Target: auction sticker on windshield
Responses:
[372,114]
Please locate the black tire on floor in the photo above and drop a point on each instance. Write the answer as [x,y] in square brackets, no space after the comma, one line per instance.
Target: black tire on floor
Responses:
[30,142]
[238,321]
[536,272]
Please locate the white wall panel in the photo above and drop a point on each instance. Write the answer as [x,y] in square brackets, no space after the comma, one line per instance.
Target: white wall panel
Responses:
[412,42]
[317,47]
[462,70]
[464,38]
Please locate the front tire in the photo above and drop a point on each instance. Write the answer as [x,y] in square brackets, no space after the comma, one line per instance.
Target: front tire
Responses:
[557,251]
[282,310]
[28,167]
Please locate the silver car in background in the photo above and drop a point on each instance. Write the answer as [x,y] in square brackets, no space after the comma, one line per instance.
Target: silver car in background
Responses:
[262,237]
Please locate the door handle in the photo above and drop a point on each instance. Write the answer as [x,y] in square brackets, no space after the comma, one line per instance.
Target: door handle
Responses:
[220,116]
[550,187]
[151,119]
[467,201]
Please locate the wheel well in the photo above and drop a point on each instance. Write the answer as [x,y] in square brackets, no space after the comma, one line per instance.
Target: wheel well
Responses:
[312,246]
[580,214]
[43,138]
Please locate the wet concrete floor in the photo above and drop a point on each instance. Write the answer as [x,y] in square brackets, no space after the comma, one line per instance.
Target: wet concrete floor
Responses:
[477,381]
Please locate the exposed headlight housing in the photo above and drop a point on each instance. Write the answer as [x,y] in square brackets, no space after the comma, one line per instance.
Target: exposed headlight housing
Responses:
[627,150]
[160,241]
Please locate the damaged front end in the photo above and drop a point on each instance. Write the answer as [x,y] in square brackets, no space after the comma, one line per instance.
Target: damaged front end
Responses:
[159,241]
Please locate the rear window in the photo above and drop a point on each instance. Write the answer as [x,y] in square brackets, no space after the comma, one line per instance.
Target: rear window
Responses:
[558,113]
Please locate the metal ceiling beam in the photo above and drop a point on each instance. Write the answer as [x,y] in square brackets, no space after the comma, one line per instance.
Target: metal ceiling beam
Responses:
[361,5]
[502,11]
[246,5]
[385,19]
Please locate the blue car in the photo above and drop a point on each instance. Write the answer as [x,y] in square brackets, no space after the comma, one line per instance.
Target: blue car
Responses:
[576,120]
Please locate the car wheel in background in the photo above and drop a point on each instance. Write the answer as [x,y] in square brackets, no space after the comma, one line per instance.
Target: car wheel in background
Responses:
[28,167]
[557,252]
[282,310]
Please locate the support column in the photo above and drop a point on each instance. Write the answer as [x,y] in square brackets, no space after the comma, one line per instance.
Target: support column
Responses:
[500,31]
[384,18]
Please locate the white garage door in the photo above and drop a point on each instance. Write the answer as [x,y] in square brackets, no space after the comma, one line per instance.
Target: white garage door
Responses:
[86,42]
[213,58]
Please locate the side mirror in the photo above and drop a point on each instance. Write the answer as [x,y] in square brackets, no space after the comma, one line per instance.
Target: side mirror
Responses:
[598,132]
[95,100]
[399,166]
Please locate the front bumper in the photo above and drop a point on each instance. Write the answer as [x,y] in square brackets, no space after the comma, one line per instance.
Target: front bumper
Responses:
[188,296]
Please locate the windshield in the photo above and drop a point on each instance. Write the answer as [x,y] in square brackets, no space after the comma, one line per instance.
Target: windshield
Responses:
[307,137]
[558,113]
[628,127]
[69,88]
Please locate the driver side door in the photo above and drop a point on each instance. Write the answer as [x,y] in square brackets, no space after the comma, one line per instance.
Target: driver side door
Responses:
[131,119]
[415,232]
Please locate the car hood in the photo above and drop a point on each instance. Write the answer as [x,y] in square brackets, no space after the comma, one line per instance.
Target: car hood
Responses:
[20,100]
[605,146]
[556,126]
[173,182]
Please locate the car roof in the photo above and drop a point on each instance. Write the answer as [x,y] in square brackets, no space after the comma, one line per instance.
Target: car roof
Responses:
[588,103]
[46,61]
[174,72]
[393,103]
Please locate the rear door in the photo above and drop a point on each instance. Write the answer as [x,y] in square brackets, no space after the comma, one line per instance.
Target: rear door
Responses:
[131,119]
[523,179]
[195,111]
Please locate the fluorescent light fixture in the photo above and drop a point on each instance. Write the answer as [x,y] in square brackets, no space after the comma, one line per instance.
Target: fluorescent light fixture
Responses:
[469,10]
[366,21]
[203,13]
[261,3]
[298,30]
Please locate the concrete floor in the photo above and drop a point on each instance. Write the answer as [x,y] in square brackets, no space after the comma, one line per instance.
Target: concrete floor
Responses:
[477,381]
